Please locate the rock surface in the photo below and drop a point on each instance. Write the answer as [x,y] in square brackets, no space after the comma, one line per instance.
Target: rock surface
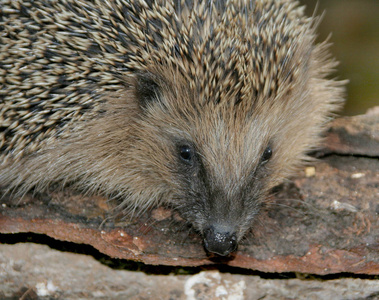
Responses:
[31,271]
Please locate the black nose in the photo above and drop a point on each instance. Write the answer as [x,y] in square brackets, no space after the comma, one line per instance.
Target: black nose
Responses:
[220,242]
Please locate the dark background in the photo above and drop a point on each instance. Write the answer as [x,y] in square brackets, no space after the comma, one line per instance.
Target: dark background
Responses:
[354,25]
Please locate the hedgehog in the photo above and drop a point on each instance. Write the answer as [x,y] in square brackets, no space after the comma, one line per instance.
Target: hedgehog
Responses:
[204,106]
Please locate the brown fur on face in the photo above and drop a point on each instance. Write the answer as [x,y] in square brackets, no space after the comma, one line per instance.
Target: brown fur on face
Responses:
[182,111]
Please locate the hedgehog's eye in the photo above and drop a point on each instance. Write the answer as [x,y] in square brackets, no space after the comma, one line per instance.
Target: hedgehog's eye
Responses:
[186,153]
[266,154]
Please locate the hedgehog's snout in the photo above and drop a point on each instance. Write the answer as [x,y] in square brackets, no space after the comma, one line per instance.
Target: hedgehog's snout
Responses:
[220,240]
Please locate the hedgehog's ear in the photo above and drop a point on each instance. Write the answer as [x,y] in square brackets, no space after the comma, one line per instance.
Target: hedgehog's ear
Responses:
[147,89]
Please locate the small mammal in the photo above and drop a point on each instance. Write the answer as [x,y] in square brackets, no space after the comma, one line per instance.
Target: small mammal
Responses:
[205,105]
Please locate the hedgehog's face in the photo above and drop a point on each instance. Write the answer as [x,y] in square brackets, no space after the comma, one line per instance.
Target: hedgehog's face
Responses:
[221,190]
[217,163]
